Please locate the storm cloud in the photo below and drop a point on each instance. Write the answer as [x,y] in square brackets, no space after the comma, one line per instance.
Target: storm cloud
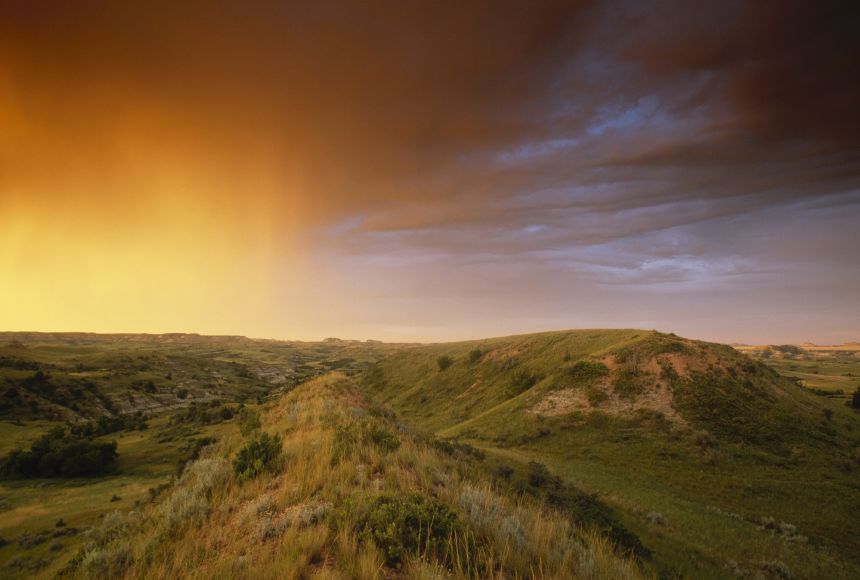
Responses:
[457,169]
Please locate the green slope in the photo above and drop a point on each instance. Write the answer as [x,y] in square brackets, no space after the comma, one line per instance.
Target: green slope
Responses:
[695,444]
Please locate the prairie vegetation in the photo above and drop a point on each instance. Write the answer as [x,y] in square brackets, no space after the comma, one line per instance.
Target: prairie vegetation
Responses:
[369,509]
[570,454]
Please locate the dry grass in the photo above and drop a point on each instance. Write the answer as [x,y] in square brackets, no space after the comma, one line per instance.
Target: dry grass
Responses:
[301,522]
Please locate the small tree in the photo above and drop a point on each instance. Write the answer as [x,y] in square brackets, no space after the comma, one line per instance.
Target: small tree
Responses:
[444,362]
[475,355]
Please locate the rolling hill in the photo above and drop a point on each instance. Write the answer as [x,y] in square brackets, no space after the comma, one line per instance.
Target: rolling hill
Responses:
[574,454]
[704,451]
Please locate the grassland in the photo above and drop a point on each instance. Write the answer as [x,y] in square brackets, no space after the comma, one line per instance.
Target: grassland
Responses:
[602,454]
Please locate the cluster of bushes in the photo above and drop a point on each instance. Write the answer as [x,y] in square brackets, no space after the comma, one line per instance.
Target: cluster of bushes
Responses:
[105,425]
[59,453]
[409,526]
[586,370]
[444,362]
[203,414]
[261,454]
[367,431]
[628,383]
[522,380]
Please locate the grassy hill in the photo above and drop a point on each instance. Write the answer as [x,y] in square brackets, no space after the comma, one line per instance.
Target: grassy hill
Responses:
[719,464]
[350,496]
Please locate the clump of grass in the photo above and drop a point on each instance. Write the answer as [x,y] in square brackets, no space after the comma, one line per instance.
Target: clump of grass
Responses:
[366,431]
[106,561]
[656,519]
[522,380]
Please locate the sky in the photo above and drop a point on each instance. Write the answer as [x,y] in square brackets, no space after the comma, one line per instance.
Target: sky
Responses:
[427,171]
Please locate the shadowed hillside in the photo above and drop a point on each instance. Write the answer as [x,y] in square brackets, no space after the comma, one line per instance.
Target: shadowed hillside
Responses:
[718,463]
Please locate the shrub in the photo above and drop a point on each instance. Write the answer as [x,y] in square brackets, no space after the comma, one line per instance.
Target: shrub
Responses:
[444,362]
[107,561]
[190,451]
[260,454]
[627,384]
[540,476]
[595,395]
[855,400]
[458,448]
[415,525]
[207,474]
[522,380]
[587,370]
[475,355]
[182,505]
[504,472]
